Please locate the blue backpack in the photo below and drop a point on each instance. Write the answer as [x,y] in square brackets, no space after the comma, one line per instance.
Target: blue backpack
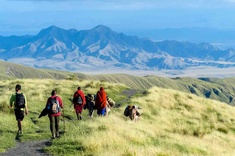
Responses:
[53,107]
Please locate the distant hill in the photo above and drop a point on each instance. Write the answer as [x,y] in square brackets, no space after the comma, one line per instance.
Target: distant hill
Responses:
[102,48]
[218,89]
[218,37]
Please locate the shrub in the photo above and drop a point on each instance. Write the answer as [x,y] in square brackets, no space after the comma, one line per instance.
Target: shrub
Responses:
[4,107]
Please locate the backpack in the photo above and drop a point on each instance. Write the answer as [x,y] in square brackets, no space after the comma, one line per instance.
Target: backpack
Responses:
[90,97]
[53,106]
[111,102]
[127,110]
[78,100]
[20,100]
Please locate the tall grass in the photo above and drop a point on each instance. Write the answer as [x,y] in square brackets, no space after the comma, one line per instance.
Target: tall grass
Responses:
[173,123]
[37,91]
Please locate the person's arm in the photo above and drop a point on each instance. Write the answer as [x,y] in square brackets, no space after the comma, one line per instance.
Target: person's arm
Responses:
[12,100]
[26,105]
[74,96]
[60,102]
[105,99]
[83,99]
[47,102]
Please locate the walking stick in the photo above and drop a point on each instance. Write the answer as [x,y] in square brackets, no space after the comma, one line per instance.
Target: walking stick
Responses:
[63,120]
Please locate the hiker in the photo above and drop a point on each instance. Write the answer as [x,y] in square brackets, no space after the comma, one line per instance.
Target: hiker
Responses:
[110,102]
[133,112]
[18,101]
[90,104]
[100,102]
[54,105]
[79,101]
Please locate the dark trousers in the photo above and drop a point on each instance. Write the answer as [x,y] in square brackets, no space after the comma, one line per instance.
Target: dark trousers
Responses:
[54,125]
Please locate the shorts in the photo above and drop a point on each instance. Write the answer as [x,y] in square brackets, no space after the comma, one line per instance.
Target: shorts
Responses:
[19,114]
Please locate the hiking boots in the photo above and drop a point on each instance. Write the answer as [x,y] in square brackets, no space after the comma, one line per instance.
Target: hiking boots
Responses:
[79,117]
[20,132]
[53,136]
[57,135]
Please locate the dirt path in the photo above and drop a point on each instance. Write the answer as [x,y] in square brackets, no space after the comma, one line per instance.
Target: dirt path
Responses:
[130,93]
[33,148]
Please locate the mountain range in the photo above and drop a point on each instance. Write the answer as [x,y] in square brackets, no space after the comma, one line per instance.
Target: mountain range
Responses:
[101,48]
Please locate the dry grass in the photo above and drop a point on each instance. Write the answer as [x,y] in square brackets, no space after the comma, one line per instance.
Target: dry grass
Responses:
[173,123]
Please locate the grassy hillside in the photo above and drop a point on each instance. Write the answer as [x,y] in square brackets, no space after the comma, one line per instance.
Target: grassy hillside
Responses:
[218,89]
[11,70]
[37,92]
[173,123]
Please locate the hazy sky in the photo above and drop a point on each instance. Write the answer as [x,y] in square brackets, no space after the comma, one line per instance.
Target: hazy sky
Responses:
[20,17]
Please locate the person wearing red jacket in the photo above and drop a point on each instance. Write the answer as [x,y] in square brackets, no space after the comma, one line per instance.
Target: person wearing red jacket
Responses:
[54,116]
[79,101]
[100,102]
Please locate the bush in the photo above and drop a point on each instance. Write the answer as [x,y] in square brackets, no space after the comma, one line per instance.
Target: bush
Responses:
[223,130]
[4,107]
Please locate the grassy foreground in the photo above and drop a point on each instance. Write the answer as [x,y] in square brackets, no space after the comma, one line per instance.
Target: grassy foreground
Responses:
[37,92]
[173,123]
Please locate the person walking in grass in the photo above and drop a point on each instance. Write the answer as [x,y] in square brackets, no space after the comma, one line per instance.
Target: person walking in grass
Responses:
[90,103]
[54,105]
[18,101]
[100,102]
[79,101]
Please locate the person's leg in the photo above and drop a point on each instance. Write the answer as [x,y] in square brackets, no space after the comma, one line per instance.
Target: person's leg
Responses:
[91,112]
[132,114]
[107,110]
[52,123]
[103,111]
[19,114]
[57,121]
[19,126]
[91,108]
[79,112]
[79,116]
[98,112]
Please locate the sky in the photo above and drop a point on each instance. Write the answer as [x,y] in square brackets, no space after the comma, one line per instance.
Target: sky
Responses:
[21,17]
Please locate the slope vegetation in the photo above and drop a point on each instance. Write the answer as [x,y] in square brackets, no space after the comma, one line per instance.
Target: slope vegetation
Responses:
[173,123]
[218,89]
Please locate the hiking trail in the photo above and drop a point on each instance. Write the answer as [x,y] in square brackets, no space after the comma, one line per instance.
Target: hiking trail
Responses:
[33,148]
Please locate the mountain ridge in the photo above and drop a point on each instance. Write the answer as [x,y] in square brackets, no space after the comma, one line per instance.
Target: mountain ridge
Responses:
[101,47]
[213,88]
